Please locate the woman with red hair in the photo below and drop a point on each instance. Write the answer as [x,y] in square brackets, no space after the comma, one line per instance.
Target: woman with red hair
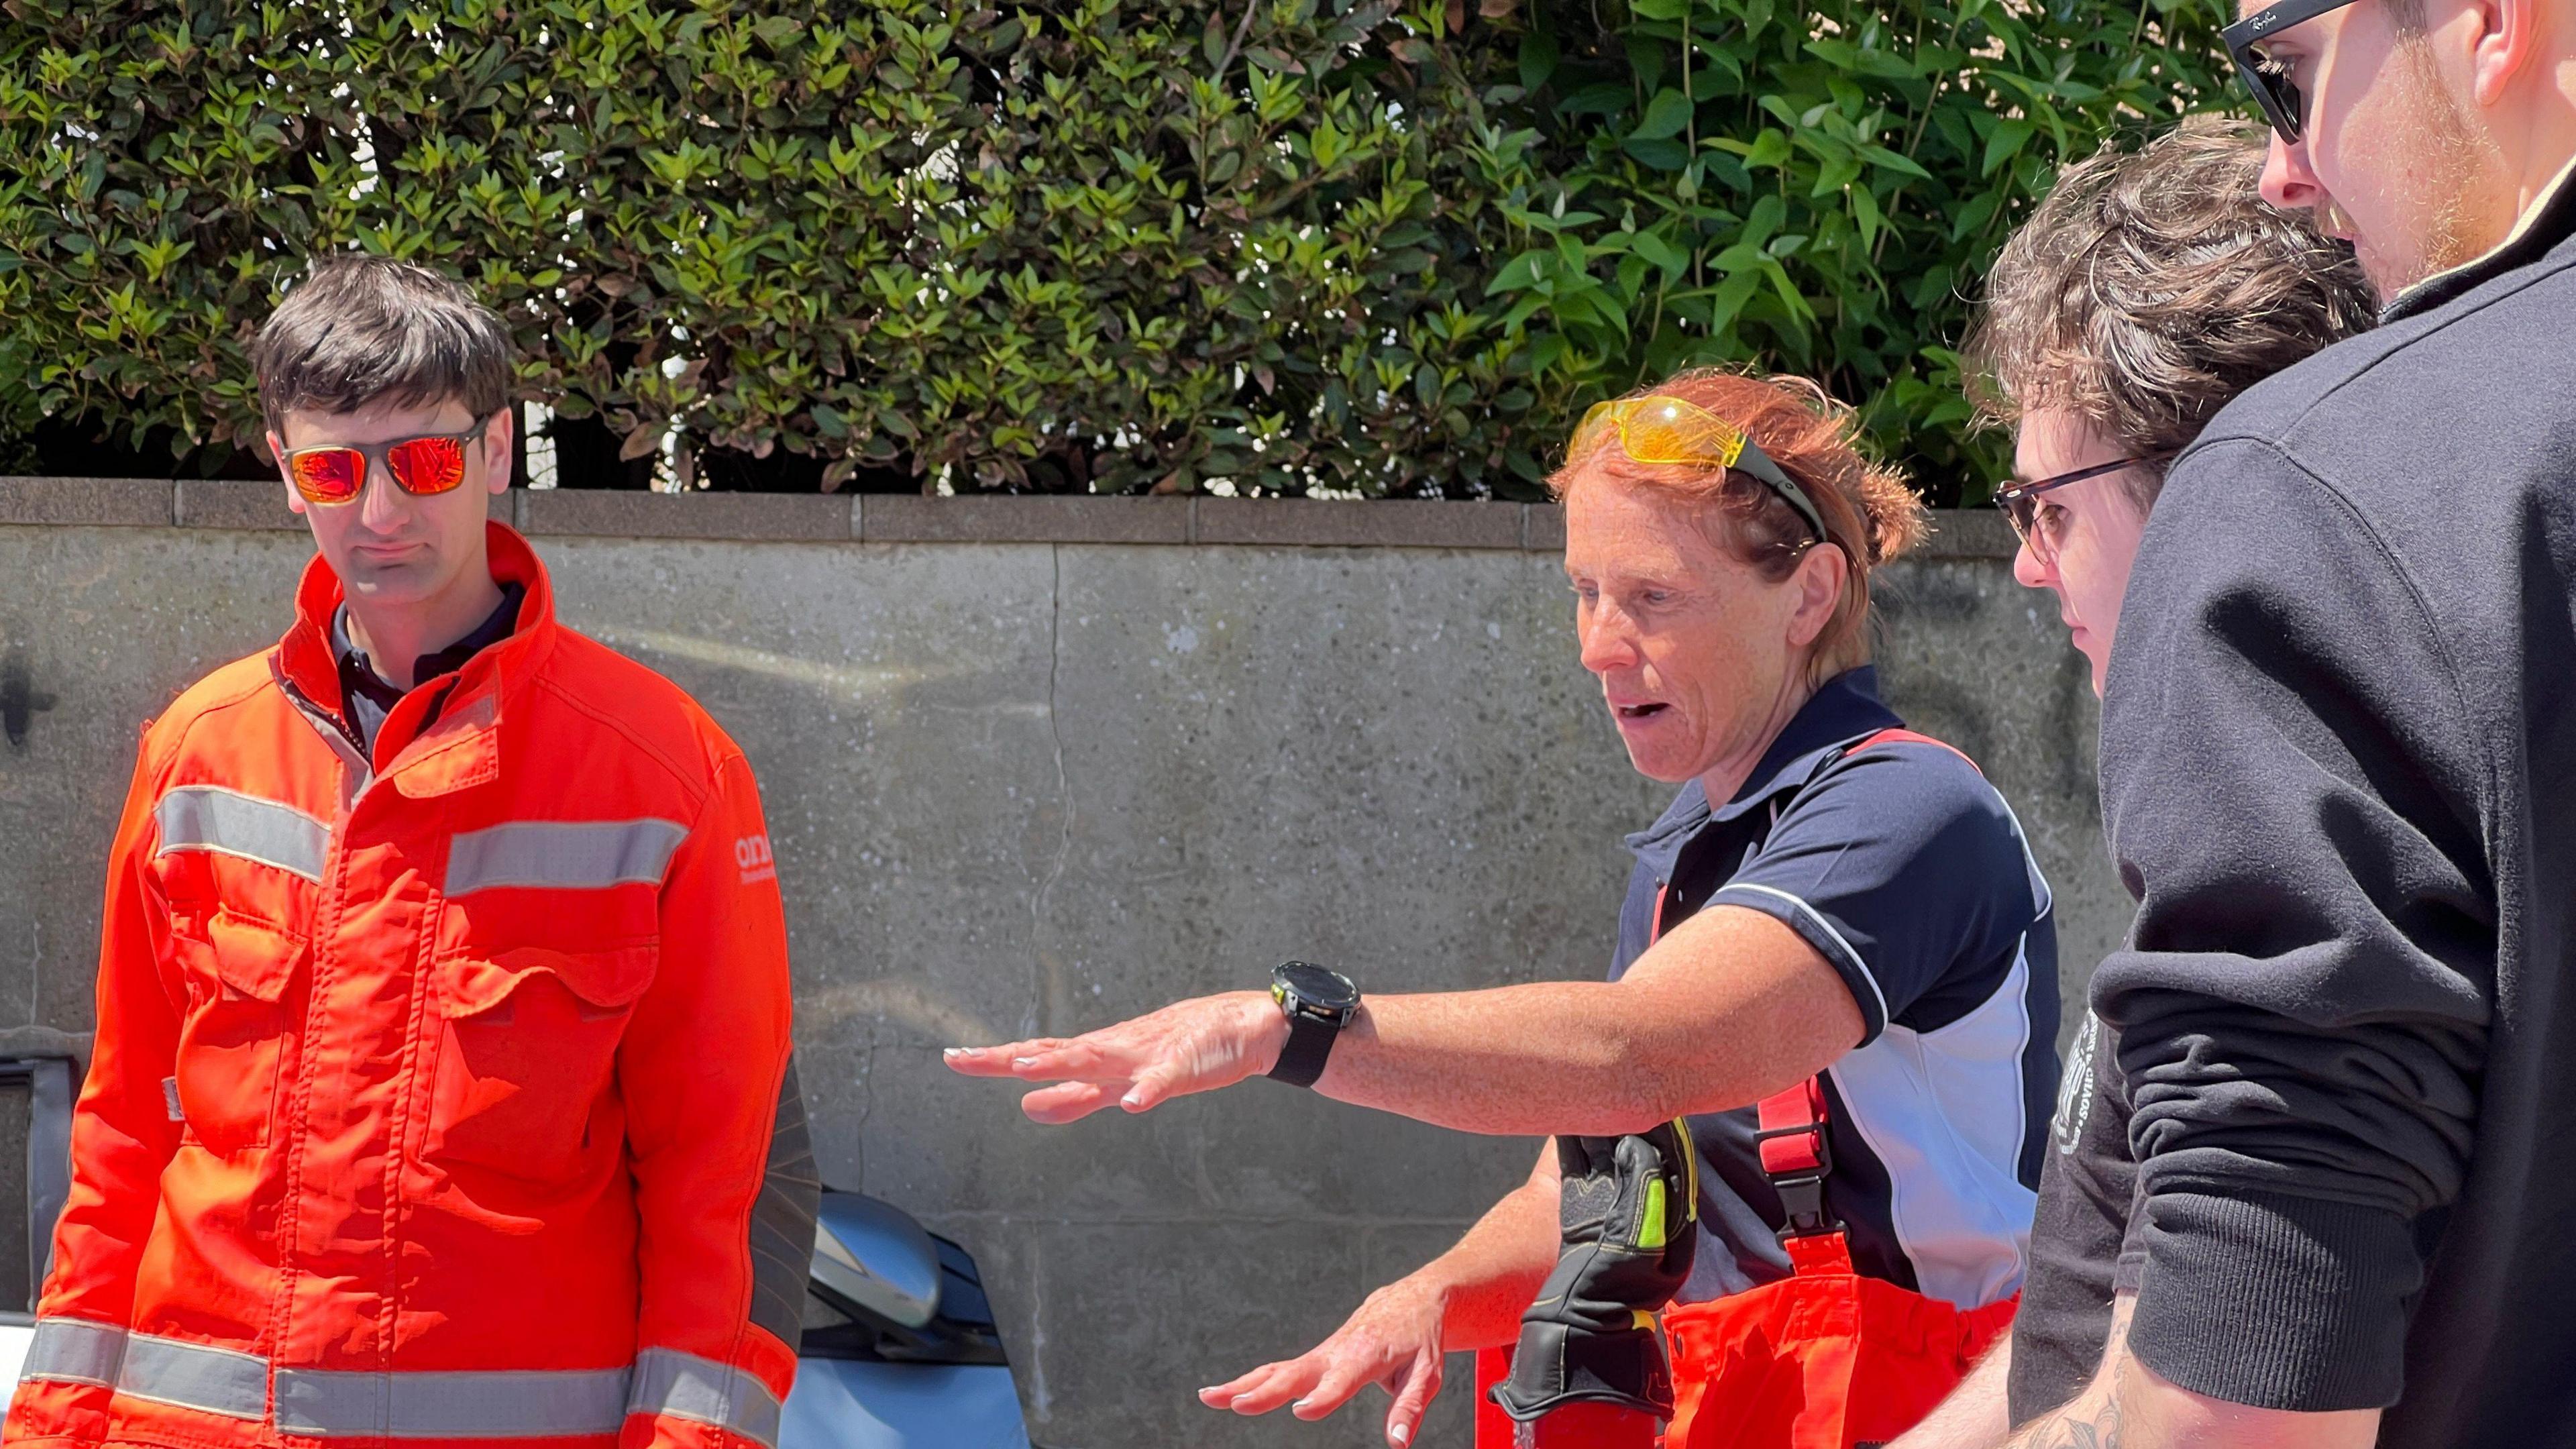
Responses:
[1806,1107]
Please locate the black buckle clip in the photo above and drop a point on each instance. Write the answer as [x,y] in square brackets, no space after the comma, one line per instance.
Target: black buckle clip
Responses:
[1803,1200]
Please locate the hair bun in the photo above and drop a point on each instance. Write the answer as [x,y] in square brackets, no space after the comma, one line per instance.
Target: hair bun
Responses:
[1894,516]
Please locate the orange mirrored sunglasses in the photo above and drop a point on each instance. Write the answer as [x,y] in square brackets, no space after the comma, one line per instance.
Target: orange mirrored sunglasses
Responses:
[425,465]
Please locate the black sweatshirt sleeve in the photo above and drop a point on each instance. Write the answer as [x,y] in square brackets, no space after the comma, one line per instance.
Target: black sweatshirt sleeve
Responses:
[2293,791]
[2080,1236]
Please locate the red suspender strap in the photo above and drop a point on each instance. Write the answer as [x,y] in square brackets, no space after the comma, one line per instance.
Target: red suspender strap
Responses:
[1890,737]
[1795,1155]
[1793,1130]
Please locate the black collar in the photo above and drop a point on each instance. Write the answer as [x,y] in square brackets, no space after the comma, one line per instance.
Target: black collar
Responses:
[2537,236]
[357,671]
[1842,709]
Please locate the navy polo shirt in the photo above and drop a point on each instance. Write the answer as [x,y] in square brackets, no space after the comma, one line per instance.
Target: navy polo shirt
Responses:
[1906,871]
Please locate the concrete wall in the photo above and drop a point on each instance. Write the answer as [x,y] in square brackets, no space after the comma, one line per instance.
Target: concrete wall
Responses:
[1033,786]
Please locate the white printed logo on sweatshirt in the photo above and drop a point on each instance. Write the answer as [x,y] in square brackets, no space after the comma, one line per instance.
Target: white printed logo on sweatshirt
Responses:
[2075,1094]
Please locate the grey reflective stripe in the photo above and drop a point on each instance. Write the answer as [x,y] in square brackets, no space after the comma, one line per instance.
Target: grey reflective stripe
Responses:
[326,1403]
[502,1404]
[210,817]
[684,1386]
[193,1376]
[72,1351]
[562,854]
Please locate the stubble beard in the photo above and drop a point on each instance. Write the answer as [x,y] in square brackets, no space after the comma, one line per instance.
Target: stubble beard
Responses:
[2457,164]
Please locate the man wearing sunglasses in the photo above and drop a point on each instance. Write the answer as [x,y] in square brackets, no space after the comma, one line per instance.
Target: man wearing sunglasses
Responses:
[441,1090]
[2337,758]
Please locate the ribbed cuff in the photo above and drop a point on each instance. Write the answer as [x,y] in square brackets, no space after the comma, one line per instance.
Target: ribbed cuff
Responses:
[2276,1302]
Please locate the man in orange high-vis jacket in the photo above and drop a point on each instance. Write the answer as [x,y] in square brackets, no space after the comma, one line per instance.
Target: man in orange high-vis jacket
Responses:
[442,1087]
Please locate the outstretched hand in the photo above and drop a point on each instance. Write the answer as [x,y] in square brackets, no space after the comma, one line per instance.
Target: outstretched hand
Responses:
[1189,1046]
[1393,1341]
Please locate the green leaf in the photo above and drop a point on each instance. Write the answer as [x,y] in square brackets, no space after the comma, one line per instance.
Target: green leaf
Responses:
[1666,115]
[1661,252]
[1519,274]
[1660,155]
[2004,143]
[1895,161]
[1538,58]
[1770,149]
[1866,215]
[1605,98]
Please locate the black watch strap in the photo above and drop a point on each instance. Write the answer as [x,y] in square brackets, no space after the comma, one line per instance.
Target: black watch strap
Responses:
[1310,1042]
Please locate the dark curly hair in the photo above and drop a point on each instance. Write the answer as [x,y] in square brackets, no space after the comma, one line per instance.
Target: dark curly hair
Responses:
[2152,286]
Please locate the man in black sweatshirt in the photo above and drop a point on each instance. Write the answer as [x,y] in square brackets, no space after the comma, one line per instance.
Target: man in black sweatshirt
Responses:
[2339,773]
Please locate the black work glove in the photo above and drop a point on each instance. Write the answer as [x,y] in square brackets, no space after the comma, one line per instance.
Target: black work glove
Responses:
[1630,1219]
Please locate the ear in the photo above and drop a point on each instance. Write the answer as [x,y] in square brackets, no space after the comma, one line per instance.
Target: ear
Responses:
[2504,42]
[1819,581]
[277,454]
[497,451]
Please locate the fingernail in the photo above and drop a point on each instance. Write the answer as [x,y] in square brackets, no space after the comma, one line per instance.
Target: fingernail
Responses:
[952,1052]
[1300,1404]
[1399,1435]
[1022,1061]
[1135,1098]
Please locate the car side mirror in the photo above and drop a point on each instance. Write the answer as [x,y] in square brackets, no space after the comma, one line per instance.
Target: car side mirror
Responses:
[873,1254]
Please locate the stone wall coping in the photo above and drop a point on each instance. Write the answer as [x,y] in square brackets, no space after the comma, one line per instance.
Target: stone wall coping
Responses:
[905,518]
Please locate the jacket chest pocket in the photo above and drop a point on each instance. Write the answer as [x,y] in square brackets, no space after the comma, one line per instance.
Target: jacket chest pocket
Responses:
[235,1028]
[525,1078]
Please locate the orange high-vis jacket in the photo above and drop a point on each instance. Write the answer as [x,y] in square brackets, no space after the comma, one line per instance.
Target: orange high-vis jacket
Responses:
[441,1092]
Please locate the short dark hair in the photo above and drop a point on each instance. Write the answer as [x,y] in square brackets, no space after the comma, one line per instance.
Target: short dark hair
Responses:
[358,329]
[2152,286]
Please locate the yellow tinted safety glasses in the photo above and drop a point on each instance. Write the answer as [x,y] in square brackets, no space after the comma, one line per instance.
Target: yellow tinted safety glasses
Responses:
[1658,429]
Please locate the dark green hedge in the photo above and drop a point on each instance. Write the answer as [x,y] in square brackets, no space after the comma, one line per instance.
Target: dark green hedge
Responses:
[1291,244]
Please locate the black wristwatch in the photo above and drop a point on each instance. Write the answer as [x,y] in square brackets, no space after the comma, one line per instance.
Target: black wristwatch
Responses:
[1318,1004]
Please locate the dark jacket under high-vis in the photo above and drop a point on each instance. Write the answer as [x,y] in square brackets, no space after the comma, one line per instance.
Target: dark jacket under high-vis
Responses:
[441,1092]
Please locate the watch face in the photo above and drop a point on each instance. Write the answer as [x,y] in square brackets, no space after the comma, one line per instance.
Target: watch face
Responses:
[1316,986]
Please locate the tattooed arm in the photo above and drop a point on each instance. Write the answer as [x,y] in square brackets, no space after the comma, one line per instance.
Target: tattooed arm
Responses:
[2128,1407]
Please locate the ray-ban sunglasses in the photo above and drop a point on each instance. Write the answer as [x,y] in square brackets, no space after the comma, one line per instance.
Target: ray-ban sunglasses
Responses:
[428,464]
[2274,91]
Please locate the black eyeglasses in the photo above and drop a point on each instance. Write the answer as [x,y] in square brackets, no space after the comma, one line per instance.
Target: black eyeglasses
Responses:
[2043,536]
[2274,91]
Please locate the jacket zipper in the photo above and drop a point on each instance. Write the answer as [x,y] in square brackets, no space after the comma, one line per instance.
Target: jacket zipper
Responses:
[333,730]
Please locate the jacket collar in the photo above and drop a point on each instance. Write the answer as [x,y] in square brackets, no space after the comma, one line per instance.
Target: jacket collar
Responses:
[456,749]
[2549,224]
[1842,709]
